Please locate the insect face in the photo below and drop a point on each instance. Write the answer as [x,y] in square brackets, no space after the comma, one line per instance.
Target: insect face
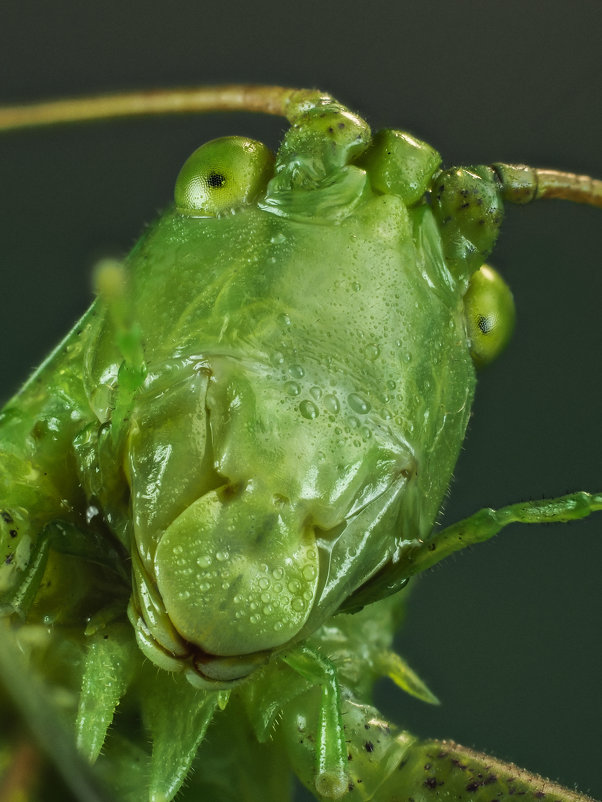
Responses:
[274,454]
[264,409]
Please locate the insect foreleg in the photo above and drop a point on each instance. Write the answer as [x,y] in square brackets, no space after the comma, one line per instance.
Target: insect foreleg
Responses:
[385,764]
[487,522]
[330,747]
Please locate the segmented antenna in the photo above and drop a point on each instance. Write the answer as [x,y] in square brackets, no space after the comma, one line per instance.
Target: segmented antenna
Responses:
[520,183]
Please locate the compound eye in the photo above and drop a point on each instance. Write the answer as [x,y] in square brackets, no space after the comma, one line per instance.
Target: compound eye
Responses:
[490,314]
[223,175]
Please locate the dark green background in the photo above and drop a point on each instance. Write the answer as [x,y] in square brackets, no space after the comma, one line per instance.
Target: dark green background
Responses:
[509,634]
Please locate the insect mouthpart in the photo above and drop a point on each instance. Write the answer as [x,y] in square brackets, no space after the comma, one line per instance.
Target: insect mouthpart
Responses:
[234,577]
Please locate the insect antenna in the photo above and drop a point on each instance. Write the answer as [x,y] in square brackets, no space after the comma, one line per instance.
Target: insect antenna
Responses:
[522,184]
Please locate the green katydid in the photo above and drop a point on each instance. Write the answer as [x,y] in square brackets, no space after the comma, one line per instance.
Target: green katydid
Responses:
[250,432]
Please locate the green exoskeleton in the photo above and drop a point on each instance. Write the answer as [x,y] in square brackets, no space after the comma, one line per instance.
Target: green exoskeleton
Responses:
[234,462]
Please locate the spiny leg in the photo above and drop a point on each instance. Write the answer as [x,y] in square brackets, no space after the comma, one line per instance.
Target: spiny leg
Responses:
[487,522]
[331,750]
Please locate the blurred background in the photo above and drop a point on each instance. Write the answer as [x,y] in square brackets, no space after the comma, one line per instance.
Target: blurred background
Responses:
[507,635]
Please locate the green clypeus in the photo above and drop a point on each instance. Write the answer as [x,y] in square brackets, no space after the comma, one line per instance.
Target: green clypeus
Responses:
[234,462]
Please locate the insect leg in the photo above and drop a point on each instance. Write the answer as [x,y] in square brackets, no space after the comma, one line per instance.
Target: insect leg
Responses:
[331,750]
[27,500]
[386,764]
[110,661]
[487,522]
[31,695]
[177,716]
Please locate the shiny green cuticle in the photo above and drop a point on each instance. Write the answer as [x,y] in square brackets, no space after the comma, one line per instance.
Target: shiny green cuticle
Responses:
[248,436]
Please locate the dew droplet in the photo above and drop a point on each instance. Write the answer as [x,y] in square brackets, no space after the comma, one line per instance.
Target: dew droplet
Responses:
[221,556]
[204,561]
[277,573]
[331,404]
[298,604]
[316,393]
[292,388]
[277,358]
[309,572]
[372,352]
[264,583]
[296,371]
[358,404]
[309,410]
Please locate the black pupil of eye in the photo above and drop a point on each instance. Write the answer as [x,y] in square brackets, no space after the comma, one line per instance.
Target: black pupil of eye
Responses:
[485,324]
[216,180]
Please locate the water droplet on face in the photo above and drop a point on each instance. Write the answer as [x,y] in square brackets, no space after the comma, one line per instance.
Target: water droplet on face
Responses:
[298,604]
[358,404]
[292,388]
[309,572]
[309,410]
[331,404]
[296,371]
[221,556]
[372,352]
